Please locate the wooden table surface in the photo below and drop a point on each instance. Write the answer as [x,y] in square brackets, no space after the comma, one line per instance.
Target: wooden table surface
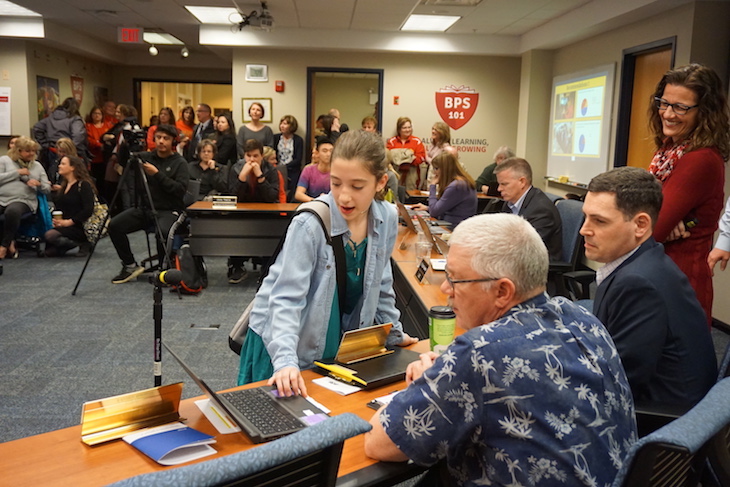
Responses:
[60,458]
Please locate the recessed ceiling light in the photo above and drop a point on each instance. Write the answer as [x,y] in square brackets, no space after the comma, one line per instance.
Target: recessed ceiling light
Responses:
[11,9]
[215,15]
[161,38]
[438,23]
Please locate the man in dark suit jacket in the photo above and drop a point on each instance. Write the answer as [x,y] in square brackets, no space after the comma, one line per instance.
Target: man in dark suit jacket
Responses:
[204,129]
[514,176]
[643,299]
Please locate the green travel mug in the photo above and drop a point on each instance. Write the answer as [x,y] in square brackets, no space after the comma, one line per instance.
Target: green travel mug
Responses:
[441,327]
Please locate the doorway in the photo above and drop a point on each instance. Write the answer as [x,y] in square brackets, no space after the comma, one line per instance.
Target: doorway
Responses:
[642,68]
[355,92]
[151,96]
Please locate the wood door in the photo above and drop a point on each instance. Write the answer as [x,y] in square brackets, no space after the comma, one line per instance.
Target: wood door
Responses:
[648,70]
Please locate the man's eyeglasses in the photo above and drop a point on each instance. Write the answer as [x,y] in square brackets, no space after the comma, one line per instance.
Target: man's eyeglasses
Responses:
[457,281]
[678,108]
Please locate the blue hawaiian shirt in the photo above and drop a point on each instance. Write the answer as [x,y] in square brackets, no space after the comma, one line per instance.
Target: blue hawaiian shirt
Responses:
[537,397]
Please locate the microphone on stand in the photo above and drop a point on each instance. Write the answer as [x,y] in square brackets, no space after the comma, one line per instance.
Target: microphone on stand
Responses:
[170,277]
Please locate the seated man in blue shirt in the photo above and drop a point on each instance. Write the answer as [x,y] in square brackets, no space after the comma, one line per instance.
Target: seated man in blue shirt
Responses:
[533,393]
[645,301]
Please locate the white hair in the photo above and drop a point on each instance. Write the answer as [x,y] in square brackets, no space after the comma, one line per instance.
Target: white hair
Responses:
[505,245]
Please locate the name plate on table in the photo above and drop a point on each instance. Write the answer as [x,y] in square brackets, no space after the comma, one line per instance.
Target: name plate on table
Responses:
[421,271]
[221,202]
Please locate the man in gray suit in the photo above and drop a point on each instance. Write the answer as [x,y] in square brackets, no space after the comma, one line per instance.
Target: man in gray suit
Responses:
[521,198]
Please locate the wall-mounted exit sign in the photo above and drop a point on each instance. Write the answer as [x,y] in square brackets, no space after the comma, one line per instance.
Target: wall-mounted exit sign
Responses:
[130,35]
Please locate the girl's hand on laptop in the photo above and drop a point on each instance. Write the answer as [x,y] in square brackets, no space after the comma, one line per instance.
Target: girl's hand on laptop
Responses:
[419,207]
[289,381]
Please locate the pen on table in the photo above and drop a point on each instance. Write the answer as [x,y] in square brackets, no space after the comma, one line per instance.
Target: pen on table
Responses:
[342,372]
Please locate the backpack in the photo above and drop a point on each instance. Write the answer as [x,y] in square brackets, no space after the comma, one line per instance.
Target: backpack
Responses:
[194,272]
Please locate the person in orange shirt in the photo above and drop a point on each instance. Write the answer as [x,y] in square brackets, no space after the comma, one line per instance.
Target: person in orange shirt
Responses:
[410,173]
[166,118]
[96,127]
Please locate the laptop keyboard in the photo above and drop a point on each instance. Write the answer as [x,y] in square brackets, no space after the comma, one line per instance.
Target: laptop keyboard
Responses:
[260,408]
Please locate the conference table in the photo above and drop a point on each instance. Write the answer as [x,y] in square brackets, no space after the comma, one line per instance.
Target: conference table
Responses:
[60,458]
[248,229]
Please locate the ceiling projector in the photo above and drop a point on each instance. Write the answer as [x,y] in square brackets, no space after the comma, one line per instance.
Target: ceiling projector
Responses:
[262,20]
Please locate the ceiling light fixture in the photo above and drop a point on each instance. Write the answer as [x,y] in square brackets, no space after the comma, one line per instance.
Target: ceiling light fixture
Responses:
[163,38]
[11,9]
[215,15]
[153,50]
[437,23]
[184,52]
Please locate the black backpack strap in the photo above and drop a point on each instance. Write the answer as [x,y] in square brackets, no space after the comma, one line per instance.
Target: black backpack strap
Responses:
[321,211]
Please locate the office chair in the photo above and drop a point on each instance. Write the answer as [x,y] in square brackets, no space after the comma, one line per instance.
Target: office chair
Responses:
[309,457]
[719,452]
[675,455]
[571,216]
[553,197]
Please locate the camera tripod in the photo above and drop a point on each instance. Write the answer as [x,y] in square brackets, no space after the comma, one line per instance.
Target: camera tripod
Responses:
[132,169]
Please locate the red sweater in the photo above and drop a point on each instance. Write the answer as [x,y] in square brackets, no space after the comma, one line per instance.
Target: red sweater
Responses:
[94,143]
[693,190]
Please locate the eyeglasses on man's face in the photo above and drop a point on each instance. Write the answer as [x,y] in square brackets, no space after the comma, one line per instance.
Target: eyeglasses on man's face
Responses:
[457,281]
[678,108]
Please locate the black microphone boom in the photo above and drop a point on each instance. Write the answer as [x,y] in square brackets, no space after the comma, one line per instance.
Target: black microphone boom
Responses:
[170,277]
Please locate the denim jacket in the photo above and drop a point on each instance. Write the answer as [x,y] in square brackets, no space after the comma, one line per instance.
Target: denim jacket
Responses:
[293,306]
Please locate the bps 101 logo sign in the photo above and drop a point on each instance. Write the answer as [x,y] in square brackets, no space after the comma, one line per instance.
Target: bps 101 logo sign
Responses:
[456,105]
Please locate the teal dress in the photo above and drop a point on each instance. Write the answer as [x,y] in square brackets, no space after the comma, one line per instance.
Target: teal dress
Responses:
[255,359]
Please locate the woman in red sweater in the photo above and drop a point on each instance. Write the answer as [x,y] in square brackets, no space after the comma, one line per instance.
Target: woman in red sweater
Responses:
[689,120]
[96,127]
[413,174]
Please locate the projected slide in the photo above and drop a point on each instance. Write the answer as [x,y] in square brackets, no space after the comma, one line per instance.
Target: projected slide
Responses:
[579,129]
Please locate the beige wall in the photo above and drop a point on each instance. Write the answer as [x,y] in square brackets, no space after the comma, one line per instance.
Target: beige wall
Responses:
[123,79]
[414,78]
[14,67]
[52,63]
[217,96]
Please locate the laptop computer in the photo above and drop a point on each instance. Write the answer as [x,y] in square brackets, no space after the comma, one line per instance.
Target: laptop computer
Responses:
[364,360]
[406,217]
[259,412]
[430,232]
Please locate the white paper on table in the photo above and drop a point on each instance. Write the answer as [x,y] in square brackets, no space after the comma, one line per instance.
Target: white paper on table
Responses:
[218,418]
[336,386]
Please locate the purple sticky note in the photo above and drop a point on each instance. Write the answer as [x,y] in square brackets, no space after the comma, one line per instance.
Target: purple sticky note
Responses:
[314,418]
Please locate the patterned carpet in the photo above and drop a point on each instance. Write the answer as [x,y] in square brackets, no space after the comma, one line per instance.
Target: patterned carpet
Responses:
[59,350]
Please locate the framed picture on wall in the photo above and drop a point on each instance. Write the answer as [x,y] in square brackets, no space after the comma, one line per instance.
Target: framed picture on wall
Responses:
[257,72]
[264,102]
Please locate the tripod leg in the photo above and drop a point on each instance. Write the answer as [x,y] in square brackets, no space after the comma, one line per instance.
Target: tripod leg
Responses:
[98,236]
[162,239]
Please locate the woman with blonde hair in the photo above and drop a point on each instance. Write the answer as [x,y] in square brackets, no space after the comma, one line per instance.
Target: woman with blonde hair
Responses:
[455,199]
[440,141]
[22,177]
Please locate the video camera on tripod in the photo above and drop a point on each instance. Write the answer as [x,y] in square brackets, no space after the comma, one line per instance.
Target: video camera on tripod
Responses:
[133,141]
